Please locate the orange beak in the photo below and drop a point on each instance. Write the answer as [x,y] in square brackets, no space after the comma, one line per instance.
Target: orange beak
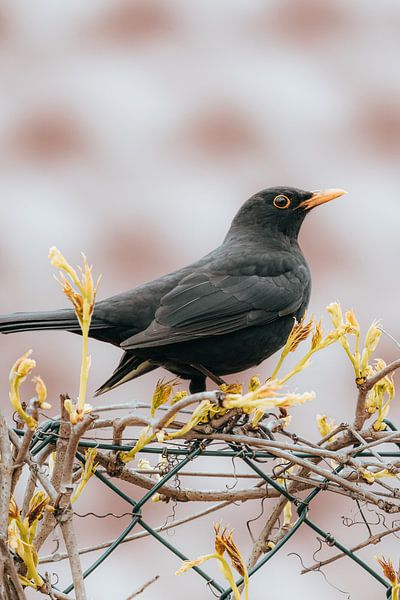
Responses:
[321,197]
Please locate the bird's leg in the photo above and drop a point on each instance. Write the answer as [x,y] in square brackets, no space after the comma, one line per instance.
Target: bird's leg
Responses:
[215,378]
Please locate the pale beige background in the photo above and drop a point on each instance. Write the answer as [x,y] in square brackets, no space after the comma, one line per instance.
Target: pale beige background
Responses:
[134,130]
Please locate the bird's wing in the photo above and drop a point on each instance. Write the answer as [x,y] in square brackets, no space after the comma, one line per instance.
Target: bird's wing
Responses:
[204,305]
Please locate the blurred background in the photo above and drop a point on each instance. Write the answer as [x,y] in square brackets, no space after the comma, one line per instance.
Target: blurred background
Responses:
[134,130]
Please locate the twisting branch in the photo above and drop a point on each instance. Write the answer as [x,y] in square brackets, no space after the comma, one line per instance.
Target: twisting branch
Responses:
[365,387]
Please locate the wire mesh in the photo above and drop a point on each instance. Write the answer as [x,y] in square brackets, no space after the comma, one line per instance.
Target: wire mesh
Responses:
[47,434]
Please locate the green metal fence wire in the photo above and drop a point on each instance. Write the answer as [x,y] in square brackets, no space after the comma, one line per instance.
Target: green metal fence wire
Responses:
[47,434]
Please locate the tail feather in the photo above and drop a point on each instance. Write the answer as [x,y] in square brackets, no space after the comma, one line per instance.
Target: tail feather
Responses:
[129,368]
[28,321]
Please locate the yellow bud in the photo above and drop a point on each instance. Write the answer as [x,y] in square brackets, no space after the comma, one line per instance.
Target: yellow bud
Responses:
[287,514]
[56,258]
[324,426]
[351,318]
[254,383]
[379,425]
[19,371]
[178,396]
[218,543]
[372,338]
[37,505]
[335,312]
[367,475]
[388,569]
[14,537]
[23,366]
[162,394]
[373,400]
[41,392]
[317,336]
[270,545]
[231,388]
[13,511]
[300,332]
[257,416]
[75,298]
[352,323]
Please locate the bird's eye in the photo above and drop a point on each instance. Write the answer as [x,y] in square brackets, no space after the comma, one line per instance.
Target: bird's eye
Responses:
[281,201]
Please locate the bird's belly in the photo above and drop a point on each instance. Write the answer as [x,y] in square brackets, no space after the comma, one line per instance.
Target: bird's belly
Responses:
[225,354]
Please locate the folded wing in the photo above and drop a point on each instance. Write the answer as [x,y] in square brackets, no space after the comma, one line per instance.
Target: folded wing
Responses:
[204,305]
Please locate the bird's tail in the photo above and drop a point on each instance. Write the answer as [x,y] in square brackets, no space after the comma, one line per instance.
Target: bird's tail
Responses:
[129,368]
[34,321]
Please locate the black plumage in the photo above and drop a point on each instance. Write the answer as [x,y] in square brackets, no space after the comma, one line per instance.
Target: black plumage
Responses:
[226,312]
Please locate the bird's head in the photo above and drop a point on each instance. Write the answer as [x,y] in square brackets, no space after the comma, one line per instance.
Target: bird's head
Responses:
[279,210]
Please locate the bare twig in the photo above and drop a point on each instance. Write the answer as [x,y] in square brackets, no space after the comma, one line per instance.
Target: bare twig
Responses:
[71,545]
[371,540]
[10,580]
[136,536]
[143,587]
[260,545]
[8,572]
[34,466]
[186,494]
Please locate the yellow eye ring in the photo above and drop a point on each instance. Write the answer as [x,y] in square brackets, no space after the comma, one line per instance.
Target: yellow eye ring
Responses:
[282,201]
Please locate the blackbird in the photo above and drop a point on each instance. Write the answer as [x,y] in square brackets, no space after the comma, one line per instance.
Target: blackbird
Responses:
[226,312]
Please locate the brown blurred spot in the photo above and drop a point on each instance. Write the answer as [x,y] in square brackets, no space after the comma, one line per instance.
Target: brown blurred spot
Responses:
[128,22]
[379,125]
[135,252]
[222,133]
[304,20]
[4,25]
[47,136]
